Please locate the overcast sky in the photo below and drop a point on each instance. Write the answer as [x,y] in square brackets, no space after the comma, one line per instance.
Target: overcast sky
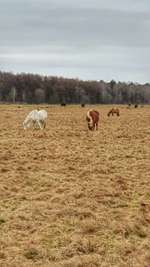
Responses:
[87,39]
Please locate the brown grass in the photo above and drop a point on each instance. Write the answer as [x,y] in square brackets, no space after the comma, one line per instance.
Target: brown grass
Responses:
[74,198]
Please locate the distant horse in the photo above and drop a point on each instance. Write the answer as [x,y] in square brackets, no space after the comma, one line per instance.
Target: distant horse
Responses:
[63,104]
[129,105]
[92,118]
[82,105]
[113,111]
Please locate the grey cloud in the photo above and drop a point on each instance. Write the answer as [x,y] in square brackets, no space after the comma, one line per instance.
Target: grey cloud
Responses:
[45,24]
[130,5]
[84,38]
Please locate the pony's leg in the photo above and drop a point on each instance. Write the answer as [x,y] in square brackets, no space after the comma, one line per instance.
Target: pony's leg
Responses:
[34,124]
[44,123]
[39,124]
[96,126]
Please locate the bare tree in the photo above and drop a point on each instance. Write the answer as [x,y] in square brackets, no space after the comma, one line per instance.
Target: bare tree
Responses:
[13,94]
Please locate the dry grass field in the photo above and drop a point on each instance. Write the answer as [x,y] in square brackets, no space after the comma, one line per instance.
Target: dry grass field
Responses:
[74,198]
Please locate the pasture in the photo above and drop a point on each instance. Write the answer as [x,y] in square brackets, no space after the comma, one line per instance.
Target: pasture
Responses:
[74,198]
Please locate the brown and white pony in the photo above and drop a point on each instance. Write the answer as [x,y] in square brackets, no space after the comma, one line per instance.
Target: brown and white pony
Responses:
[92,118]
[113,111]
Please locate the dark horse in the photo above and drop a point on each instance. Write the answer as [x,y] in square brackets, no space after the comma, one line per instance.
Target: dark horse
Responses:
[113,111]
[92,118]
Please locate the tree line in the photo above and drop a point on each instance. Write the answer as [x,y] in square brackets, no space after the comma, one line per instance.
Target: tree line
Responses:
[33,88]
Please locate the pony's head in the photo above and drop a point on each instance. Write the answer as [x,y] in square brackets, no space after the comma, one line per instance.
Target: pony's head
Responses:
[90,123]
[24,126]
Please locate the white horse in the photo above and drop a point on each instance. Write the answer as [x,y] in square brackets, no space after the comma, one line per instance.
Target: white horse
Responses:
[35,118]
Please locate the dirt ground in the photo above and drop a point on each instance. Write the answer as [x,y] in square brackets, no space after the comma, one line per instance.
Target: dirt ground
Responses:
[74,198]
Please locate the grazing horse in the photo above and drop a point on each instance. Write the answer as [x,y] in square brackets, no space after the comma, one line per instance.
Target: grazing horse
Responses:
[63,104]
[35,118]
[92,118]
[113,111]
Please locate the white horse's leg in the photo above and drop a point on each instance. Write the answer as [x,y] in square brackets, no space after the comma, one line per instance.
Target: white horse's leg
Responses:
[39,124]
[34,123]
[44,124]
